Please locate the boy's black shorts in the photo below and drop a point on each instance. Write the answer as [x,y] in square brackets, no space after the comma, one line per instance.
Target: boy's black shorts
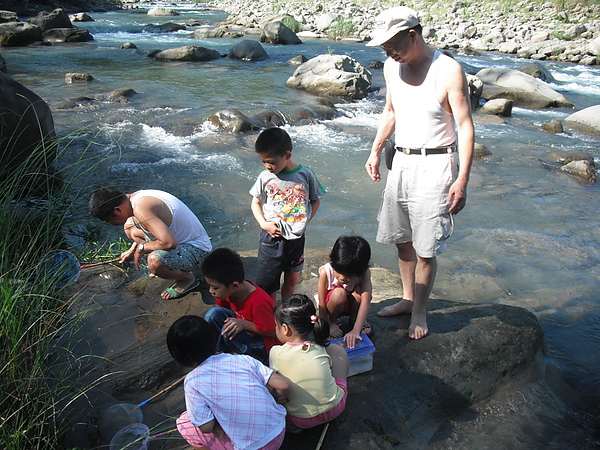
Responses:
[277,255]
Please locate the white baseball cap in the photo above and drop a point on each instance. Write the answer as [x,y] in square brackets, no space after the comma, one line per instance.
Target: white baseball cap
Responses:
[391,22]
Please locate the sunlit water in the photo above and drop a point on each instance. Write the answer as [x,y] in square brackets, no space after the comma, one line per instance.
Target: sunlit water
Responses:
[529,236]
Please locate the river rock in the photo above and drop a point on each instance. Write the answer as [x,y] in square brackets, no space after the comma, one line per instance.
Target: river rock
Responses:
[269,119]
[78,77]
[8,16]
[297,60]
[168,27]
[233,121]
[161,11]
[222,32]
[19,34]
[565,157]
[594,46]
[554,126]
[248,50]
[537,71]
[2,64]
[498,107]
[583,169]
[475,86]
[480,151]
[121,95]
[128,46]
[74,34]
[277,33]
[55,19]
[188,53]
[525,90]
[332,75]
[26,127]
[81,17]
[586,120]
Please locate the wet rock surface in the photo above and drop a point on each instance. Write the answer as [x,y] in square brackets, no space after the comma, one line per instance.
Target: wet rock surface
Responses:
[410,397]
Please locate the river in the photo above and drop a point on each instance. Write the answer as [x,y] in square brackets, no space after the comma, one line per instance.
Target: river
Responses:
[528,237]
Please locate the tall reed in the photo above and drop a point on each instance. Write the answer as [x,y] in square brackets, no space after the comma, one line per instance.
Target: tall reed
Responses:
[36,376]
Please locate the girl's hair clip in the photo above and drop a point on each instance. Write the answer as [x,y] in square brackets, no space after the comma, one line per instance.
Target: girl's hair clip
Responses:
[313,319]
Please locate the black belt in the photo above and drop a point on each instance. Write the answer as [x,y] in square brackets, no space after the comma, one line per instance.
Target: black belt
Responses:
[427,151]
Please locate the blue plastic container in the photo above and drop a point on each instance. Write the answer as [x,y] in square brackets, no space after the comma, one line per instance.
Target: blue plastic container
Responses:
[361,356]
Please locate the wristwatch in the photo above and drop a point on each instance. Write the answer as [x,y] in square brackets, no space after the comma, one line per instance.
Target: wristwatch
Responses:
[141,246]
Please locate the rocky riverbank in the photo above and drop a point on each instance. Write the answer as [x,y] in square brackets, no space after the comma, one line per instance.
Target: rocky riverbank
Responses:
[532,30]
[568,32]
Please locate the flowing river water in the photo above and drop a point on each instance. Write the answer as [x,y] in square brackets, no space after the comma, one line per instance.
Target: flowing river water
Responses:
[529,237]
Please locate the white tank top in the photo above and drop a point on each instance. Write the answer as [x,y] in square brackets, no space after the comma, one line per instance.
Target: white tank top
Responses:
[185,226]
[421,121]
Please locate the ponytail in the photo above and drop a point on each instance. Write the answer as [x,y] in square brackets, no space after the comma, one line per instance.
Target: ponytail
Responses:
[321,331]
[299,312]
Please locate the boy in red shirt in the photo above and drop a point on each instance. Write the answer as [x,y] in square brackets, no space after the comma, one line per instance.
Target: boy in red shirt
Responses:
[245,315]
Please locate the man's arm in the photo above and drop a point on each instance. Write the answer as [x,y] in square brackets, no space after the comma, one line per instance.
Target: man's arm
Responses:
[150,212]
[458,101]
[387,125]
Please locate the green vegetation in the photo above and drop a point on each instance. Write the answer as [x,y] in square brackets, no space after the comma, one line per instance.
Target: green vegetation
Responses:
[341,28]
[37,369]
[291,23]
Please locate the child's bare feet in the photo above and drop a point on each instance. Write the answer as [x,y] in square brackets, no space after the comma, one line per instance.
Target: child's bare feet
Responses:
[402,307]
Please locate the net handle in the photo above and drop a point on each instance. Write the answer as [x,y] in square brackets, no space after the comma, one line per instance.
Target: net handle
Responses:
[168,388]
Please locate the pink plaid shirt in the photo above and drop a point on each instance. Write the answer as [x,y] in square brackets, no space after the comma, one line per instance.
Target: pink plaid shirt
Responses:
[232,389]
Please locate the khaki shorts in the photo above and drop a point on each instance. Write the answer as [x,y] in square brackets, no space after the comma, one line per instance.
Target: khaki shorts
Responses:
[414,207]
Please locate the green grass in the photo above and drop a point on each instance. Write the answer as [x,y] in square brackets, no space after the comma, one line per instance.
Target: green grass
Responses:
[341,28]
[38,372]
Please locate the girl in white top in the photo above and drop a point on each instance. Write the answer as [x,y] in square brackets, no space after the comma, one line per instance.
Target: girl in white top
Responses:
[345,287]
[317,375]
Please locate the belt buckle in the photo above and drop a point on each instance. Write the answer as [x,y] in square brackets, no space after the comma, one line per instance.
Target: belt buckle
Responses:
[406,150]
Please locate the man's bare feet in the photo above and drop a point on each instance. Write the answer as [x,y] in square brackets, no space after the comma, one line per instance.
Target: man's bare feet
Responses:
[418,325]
[402,307]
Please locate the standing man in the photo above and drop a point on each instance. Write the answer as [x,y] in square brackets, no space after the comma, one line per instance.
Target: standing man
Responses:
[161,226]
[428,109]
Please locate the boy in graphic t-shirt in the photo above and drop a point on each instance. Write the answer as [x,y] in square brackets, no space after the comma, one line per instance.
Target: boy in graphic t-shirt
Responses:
[286,196]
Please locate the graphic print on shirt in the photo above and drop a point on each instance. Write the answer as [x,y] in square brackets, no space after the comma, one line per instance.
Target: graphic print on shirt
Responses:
[289,202]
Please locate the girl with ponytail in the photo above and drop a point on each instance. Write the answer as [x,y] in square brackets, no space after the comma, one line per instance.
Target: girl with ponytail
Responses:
[317,375]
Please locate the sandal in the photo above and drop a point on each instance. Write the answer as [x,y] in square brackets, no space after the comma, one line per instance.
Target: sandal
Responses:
[367,329]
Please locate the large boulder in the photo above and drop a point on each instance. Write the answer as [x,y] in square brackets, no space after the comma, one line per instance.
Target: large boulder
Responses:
[55,19]
[188,53]
[277,33]
[55,35]
[587,120]
[19,34]
[26,127]
[248,50]
[474,351]
[332,75]
[525,90]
